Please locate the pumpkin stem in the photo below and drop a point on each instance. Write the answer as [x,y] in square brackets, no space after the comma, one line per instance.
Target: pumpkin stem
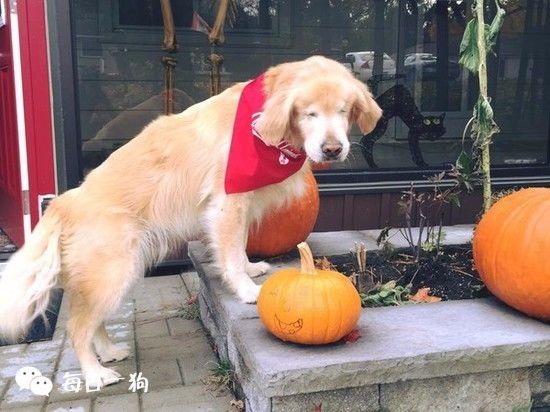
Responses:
[306,259]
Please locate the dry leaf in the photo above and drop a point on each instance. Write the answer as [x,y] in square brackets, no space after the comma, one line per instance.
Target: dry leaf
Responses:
[324,264]
[421,296]
[193,299]
[352,336]
[237,404]
[318,408]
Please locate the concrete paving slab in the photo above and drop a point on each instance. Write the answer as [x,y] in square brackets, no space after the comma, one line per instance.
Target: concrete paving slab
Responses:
[170,347]
[154,328]
[186,398]
[13,349]
[80,405]
[30,408]
[68,360]
[197,366]
[179,326]
[33,356]
[16,397]
[121,332]
[47,345]
[117,403]
[9,369]
[161,373]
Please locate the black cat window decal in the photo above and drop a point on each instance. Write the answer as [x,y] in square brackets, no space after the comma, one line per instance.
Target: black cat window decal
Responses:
[399,102]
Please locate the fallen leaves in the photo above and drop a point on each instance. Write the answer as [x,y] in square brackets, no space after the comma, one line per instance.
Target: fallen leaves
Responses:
[193,299]
[237,404]
[352,337]
[324,264]
[422,296]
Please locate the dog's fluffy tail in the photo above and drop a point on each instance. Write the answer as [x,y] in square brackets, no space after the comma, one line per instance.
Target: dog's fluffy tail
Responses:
[28,278]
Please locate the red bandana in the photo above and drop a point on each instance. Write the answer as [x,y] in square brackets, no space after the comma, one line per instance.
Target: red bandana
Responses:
[253,164]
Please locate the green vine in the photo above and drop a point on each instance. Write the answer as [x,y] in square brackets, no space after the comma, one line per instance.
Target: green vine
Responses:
[478,40]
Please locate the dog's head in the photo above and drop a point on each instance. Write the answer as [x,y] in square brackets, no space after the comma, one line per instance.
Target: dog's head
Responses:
[312,105]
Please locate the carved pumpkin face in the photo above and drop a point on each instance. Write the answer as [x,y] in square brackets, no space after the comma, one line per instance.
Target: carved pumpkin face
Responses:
[510,246]
[307,305]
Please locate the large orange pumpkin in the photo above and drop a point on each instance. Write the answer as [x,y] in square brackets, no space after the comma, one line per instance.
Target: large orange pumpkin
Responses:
[281,230]
[511,246]
[309,305]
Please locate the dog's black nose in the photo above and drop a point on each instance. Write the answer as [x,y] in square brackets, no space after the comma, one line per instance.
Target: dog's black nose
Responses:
[331,150]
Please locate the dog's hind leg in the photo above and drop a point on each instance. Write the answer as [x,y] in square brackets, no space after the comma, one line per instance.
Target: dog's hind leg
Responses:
[100,277]
[106,349]
[83,322]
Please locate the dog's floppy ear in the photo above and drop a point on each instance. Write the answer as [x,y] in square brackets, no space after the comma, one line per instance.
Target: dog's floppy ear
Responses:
[365,112]
[274,125]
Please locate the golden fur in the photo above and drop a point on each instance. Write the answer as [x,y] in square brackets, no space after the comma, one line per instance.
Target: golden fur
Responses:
[164,187]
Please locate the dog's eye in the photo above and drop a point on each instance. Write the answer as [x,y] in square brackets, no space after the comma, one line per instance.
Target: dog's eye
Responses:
[343,111]
[311,114]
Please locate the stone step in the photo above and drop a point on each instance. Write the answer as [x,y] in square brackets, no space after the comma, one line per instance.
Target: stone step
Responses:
[462,351]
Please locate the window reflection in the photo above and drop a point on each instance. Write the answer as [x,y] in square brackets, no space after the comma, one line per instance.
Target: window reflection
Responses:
[407,51]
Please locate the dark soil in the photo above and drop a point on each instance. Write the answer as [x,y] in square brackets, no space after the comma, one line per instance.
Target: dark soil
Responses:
[450,276]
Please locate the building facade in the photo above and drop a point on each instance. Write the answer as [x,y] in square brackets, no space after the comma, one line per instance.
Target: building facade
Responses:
[108,80]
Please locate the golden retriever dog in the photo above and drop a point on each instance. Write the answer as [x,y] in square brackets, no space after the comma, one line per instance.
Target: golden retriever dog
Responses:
[166,186]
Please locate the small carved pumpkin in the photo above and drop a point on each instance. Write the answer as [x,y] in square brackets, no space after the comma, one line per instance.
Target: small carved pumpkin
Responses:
[510,246]
[308,305]
[281,230]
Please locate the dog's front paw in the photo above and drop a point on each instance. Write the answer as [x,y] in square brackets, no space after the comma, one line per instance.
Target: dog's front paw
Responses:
[249,293]
[102,377]
[257,268]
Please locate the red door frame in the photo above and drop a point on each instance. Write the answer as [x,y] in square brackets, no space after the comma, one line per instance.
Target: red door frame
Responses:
[37,102]
[11,200]
[33,161]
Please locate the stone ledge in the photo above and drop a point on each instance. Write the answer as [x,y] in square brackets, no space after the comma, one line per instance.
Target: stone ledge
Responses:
[405,343]
[460,341]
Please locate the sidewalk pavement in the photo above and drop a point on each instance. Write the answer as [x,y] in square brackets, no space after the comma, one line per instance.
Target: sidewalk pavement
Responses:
[169,349]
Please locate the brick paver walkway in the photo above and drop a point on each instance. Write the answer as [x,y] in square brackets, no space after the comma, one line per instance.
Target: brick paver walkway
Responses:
[172,352]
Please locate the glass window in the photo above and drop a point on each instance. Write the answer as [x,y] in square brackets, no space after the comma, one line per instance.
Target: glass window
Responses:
[407,51]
